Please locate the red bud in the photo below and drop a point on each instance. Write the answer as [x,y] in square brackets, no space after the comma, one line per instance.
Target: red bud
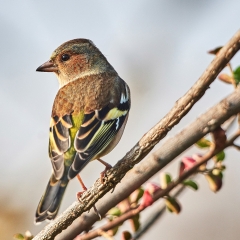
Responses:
[188,162]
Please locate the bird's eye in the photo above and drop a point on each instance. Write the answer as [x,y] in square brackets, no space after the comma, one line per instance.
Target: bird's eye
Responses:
[65,57]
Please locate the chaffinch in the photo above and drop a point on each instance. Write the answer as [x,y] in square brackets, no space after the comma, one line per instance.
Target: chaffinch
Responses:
[88,118]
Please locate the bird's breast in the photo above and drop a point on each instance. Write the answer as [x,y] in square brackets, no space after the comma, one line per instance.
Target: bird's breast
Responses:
[85,94]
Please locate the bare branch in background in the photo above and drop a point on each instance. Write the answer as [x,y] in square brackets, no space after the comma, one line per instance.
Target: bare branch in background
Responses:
[163,192]
[128,215]
[156,215]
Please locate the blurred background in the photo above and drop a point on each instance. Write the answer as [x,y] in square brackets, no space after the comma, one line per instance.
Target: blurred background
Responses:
[159,48]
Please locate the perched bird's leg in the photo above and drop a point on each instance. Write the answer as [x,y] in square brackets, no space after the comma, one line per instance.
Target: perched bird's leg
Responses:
[83,187]
[107,165]
[80,193]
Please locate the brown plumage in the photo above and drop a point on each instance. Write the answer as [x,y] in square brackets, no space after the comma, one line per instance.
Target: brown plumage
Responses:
[96,95]
[89,114]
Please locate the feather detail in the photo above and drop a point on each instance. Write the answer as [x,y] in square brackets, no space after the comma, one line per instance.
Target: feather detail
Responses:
[66,121]
[50,202]
[98,130]
[59,142]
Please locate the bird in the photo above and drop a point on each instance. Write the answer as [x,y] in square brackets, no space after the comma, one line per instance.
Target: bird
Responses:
[88,117]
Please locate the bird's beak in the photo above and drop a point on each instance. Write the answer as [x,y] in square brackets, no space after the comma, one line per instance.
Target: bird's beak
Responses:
[47,67]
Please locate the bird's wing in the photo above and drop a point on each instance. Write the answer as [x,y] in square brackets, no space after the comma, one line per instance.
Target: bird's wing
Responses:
[59,142]
[77,138]
[97,131]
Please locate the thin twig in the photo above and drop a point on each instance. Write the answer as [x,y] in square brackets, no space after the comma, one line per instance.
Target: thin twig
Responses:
[116,222]
[163,192]
[156,215]
[211,153]
[159,213]
[236,146]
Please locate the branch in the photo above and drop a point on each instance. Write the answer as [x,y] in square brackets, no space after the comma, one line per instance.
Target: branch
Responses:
[155,216]
[236,146]
[204,159]
[119,220]
[159,193]
[146,143]
[159,212]
[153,163]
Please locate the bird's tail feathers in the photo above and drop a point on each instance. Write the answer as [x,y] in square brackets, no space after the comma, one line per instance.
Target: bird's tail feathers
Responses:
[50,202]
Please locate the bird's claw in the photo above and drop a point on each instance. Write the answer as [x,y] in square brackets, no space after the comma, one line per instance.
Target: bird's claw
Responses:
[79,194]
[103,173]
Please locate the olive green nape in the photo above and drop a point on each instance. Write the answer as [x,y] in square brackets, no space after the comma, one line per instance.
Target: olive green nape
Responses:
[77,120]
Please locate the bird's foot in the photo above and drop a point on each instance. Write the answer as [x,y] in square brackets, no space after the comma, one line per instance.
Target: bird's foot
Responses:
[107,167]
[79,194]
[103,173]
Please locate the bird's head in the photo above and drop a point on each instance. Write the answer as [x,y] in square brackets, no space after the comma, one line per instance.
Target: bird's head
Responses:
[76,59]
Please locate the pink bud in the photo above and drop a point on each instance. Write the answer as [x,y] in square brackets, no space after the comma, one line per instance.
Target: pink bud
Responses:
[152,187]
[147,198]
[188,162]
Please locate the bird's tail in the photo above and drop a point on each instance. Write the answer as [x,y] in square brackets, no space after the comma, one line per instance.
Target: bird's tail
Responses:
[50,202]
